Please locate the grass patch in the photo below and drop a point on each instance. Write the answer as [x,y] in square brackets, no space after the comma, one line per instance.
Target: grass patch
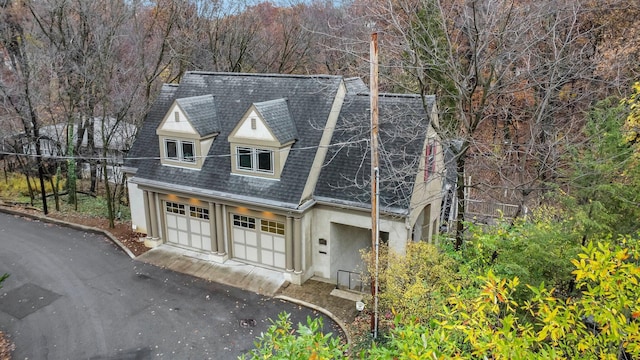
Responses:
[14,188]
[87,205]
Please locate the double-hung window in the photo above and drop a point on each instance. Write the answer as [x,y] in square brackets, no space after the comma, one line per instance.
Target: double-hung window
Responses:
[188,154]
[430,160]
[180,150]
[256,160]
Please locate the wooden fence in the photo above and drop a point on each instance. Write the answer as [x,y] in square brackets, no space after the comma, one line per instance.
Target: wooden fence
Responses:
[492,209]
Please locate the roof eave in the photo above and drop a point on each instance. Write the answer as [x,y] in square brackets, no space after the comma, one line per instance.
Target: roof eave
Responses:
[354,205]
[242,199]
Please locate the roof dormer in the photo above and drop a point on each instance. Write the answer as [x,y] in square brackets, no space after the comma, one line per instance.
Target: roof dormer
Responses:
[187,131]
[261,140]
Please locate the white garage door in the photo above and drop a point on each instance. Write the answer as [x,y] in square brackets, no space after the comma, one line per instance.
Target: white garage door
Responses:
[259,241]
[188,226]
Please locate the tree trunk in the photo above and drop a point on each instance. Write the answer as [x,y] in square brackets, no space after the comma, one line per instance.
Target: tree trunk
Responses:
[93,166]
[36,135]
[107,192]
[71,168]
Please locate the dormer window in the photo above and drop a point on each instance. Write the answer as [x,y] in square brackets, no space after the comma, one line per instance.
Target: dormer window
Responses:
[262,139]
[180,150]
[254,160]
[171,147]
[187,132]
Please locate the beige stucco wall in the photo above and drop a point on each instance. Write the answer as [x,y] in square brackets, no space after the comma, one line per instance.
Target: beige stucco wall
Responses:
[307,248]
[429,192]
[136,204]
[324,217]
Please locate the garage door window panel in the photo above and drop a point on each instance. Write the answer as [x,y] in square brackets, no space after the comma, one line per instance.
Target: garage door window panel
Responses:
[273,227]
[198,212]
[175,208]
[244,221]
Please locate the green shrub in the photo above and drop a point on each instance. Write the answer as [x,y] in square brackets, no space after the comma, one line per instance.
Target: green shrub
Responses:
[536,251]
[308,342]
[603,322]
[413,284]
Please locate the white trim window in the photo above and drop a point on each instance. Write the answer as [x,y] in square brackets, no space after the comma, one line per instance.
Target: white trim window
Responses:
[180,150]
[255,160]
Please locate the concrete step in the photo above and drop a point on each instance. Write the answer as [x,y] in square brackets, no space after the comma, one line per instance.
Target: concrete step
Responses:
[345,294]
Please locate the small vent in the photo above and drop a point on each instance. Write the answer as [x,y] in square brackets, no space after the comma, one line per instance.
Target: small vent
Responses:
[253,123]
[177,116]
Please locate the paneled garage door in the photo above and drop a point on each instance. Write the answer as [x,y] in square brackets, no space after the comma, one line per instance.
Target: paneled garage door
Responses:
[259,241]
[188,226]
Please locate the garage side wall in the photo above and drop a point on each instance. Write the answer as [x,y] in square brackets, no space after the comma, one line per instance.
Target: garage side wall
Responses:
[136,204]
[331,238]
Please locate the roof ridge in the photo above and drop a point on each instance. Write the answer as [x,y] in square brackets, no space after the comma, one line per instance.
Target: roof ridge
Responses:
[394,95]
[310,76]
[273,100]
[196,97]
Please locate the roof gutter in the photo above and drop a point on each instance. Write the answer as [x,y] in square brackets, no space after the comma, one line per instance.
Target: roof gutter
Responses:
[129,169]
[242,199]
[353,205]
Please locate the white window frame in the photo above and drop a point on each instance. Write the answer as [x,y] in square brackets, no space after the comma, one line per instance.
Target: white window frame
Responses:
[254,156]
[199,212]
[174,208]
[273,227]
[180,156]
[244,221]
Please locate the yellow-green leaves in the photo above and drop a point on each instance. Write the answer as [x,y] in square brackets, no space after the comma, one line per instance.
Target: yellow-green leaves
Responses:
[632,123]
[600,323]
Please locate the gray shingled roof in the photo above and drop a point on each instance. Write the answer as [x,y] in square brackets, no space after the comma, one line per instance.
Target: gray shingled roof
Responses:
[201,111]
[310,99]
[345,177]
[278,118]
[356,86]
[147,137]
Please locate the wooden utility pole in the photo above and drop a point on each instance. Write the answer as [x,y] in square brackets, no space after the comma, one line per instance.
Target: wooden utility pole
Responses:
[375,214]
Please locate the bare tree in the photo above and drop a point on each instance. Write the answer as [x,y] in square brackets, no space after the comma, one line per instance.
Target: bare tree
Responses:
[510,77]
[18,83]
[99,81]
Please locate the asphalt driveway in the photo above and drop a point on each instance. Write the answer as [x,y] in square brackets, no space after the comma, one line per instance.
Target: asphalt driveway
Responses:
[75,295]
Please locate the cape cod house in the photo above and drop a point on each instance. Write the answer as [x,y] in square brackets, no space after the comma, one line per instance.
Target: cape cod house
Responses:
[274,170]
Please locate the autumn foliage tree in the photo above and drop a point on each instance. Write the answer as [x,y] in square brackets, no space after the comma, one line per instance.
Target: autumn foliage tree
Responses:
[512,78]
